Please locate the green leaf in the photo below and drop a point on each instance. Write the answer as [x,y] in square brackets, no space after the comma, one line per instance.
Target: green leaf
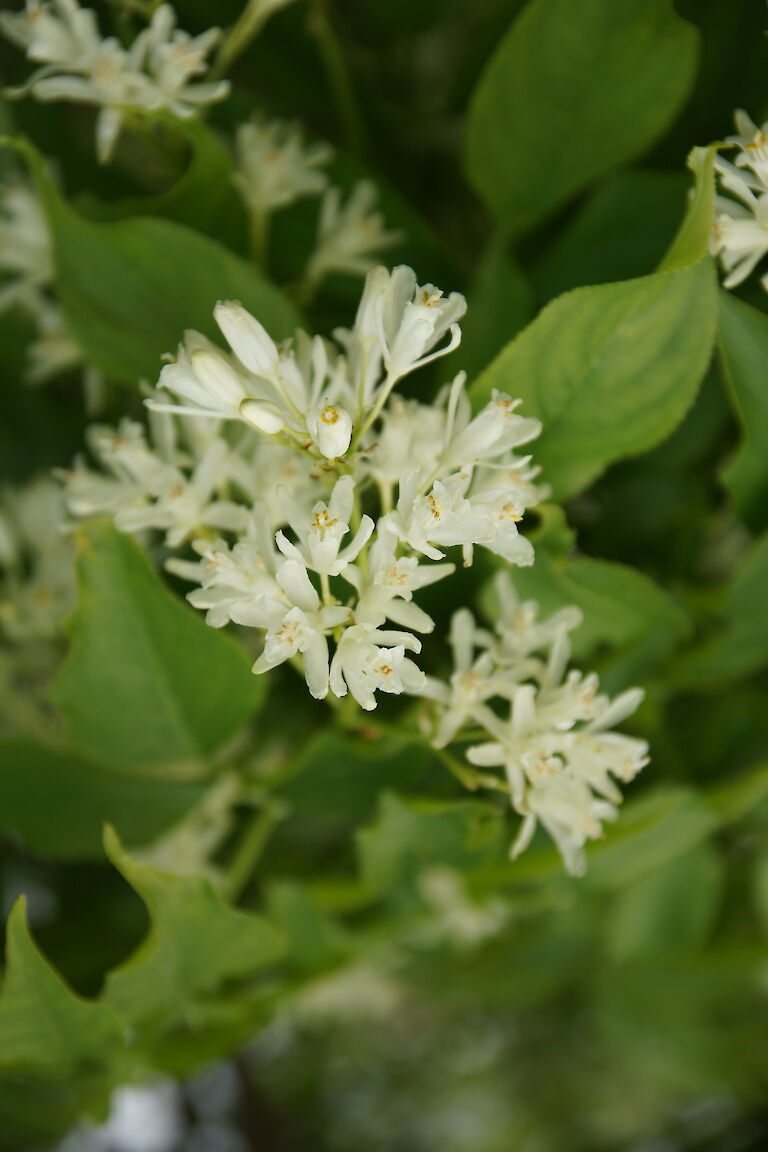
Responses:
[410,834]
[691,243]
[315,941]
[610,371]
[672,909]
[196,943]
[130,289]
[623,608]
[203,198]
[56,802]
[572,91]
[619,231]
[740,646]
[47,1030]
[743,346]
[735,799]
[146,681]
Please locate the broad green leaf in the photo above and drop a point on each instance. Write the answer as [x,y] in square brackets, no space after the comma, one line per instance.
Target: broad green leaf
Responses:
[314,940]
[743,346]
[146,681]
[204,196]
[693,238]
[619,231]
[196,943]
[672,909]
[57,802]
[500,303]
[47,1030]
[610,370]
[622,606]
[411,834]
[572,91]
[130,289]
[736,798]
[739,646]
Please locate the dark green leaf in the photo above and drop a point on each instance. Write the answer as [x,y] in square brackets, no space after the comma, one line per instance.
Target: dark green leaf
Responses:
[743,344]
[599,81]
[130,289]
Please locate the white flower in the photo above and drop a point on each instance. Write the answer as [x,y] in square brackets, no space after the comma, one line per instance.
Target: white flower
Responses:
[235,582]
[37,580]
[414,318]
[275,167]
[349,235]
[181,505]
[330,426]
[495,431]
[443,516]
[25,245]
[368,660]
[321,536]
[472,683]
[300,628]
[386,592]
[156,72]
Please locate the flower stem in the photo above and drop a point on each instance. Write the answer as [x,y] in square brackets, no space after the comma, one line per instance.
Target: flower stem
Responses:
[249,851]
[338,77]
[246,28]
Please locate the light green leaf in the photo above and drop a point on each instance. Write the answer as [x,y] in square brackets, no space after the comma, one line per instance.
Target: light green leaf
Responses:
[130,289]
[672,909]
[146,681]
[410,834]
[572,91]
[609,370]
[46,1029]
[196,943]
[56,802]
[743,346]
[315,940]
[740,645]
[692,240]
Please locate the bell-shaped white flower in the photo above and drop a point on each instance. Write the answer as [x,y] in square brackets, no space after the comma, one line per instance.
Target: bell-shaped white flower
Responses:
[301,628]
[386,591]
[350,235]
[368,660]
[472,683]
[443,516]
[330,426]
[321,535]
[275,167]
[25,246]
[248,339]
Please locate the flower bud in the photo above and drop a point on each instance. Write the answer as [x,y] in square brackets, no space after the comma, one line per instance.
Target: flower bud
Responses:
[217,377]
[248,339]
[260,414]
[331,430]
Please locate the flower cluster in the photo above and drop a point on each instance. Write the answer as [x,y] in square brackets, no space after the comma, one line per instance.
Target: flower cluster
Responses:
[37,582]
[159,71]
[548,728]
[318,502]
[740,235]
[275,167]
[26,259]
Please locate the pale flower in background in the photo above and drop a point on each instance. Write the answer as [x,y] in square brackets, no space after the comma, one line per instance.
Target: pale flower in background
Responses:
[350,235]
[158,71]
[275,167]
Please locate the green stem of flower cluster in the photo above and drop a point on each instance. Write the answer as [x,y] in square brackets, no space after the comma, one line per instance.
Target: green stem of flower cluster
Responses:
[338,76]
[249,851]
[247,27]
